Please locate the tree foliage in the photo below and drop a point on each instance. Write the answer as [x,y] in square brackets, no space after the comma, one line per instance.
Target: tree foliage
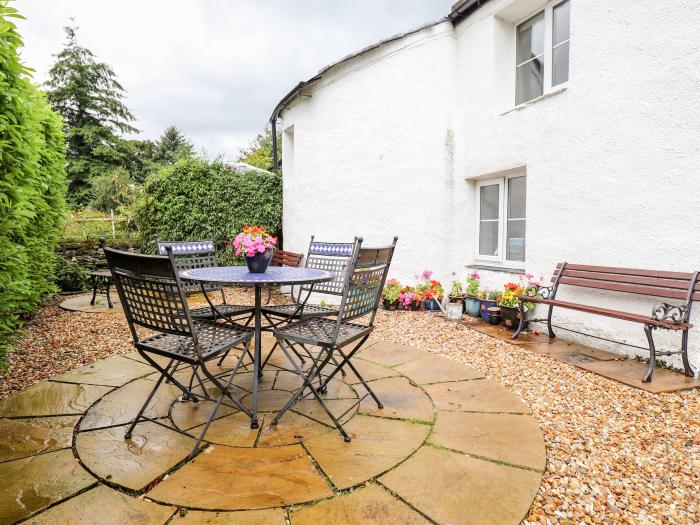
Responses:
[32,185]
[172,146]
[198,199]
[90,99]
[259,151]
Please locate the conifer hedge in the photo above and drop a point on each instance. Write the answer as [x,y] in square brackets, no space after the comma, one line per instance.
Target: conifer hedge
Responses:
[32,186]
[198,199]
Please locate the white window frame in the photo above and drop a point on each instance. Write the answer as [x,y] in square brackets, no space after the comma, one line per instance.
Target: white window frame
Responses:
[500,259]
[547,87]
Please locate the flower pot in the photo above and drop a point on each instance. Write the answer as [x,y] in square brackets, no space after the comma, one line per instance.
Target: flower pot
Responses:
[494,315]
[390,305]
[473,307]
[415,306]
[259,262]
[511,318]
[483,308]
[431,305]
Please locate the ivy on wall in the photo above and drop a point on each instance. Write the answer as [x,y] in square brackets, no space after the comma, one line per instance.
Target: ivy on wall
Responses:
[197,199]
[32,186]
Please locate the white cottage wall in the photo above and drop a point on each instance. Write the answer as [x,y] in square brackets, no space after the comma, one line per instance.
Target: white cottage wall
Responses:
[392,141]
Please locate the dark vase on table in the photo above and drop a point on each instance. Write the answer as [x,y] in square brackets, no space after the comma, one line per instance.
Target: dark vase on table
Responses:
[259,262]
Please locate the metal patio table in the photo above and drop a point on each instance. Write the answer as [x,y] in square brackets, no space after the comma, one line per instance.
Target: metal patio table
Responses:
[240,276]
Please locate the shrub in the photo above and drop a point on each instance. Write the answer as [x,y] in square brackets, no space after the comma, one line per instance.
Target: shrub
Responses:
[198,199]
[32,186]
[70,276]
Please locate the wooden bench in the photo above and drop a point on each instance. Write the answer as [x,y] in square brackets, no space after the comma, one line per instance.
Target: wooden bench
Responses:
[684,288]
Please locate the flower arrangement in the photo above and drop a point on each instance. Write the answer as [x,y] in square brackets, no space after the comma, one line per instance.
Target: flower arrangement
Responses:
[457,290]
[392,290]
[511,292]
[473,284]
[253,240]
[406,297]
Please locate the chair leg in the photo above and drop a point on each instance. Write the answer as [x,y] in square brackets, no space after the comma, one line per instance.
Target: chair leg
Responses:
[224,389]
[94,289]
[652,353]
[128,433]
[359,376]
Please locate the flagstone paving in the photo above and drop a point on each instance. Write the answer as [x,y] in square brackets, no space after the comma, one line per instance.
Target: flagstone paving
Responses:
[449,446]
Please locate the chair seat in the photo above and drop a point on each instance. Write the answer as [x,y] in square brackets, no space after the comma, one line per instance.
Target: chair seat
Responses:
[205,312]
[319,331]
[289,311]
[214,338]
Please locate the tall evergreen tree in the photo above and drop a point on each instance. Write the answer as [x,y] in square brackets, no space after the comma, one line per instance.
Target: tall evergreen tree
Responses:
[88,95]
[172,145]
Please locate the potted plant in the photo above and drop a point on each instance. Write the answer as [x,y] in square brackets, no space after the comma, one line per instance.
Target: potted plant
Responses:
[407,300]
[487,299]
[431,291]
[390,294]
[456,292]
[257,246]
[473,305]
[510,307]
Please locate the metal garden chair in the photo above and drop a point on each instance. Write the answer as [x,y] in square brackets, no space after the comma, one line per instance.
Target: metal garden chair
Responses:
[361,292]
[154,298]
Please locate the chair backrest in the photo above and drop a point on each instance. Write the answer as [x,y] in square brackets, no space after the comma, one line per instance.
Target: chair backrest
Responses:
[150,292]
[364,282]
[189,255]
[333,257]
[284,258]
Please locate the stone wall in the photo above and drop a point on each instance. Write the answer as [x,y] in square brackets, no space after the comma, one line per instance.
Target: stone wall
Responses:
[88,254]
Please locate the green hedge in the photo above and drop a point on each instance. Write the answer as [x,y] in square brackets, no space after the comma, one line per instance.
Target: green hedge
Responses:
[32,186]
[198,199]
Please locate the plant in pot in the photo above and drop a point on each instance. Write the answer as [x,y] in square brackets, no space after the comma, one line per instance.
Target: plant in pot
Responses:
[257,246]
[408,299]
[390,294]
[510,306]
[487,299]
[473,305]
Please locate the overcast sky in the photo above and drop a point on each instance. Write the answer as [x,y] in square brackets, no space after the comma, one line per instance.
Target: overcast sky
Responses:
[214,68]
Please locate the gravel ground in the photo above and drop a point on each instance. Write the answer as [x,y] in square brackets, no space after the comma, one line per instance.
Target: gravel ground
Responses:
[615,454]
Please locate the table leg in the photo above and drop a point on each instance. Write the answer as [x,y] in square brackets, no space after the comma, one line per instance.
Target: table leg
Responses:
[94,288]
[257,373]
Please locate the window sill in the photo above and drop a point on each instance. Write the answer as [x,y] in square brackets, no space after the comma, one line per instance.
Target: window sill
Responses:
[524,105]
[495,268]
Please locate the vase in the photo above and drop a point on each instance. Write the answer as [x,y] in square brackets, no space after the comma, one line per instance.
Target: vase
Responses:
[259,262]
[473,307]
[511,318]
[390,305]
[484,308]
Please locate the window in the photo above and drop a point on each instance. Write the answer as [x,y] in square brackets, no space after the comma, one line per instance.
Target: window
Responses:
[501,220]
[542,52]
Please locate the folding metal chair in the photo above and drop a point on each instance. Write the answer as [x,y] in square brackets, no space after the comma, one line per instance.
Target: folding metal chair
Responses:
[360,299]
[153,297]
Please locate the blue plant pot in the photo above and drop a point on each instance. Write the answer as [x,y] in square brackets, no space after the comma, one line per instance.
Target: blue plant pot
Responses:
[484,308]
[259,262]
[473,307]
[430,305]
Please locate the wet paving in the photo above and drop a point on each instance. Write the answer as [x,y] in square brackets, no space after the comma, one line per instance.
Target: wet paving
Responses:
[446,440]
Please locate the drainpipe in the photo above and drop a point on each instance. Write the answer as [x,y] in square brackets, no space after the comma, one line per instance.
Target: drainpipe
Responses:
[275,160]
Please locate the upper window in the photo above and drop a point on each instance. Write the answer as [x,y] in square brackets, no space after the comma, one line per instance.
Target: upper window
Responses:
[542,52]
[501,220]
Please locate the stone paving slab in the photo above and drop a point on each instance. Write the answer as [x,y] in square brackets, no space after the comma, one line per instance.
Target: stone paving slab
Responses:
[31,484]
[105,506]
[435,369]
[291,428]
[27,437]
[113,371]
[232,430]
[389,354]
[508,438]
[51,399]
[244,478]
[245,517]
[377,445]
[188,415]
[482,395]
[81,303]
[370,504]
[462,489]
[401,400]
[312,409]
[132,463]
[369,371]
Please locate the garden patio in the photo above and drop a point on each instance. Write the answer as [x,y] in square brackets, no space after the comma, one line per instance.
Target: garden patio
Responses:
[473,430]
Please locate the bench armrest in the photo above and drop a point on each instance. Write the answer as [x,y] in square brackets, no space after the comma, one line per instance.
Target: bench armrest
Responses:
[541,292]
[669,312]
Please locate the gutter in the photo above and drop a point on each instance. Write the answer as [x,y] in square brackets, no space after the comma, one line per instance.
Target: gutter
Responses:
[464,8]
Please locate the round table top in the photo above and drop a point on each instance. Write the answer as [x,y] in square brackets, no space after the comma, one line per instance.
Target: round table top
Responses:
[239,275]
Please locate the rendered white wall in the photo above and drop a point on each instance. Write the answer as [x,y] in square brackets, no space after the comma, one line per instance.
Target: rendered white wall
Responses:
[385,141]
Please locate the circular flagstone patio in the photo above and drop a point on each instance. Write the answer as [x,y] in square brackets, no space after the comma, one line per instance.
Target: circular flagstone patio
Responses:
[449,446]
[81,303]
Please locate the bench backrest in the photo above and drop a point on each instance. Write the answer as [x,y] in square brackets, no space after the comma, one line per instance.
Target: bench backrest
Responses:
[669,285]
[284,258]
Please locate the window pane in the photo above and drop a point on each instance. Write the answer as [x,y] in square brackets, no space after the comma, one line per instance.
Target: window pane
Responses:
[489,220]
[516,198]
[561,23]
[515,237]
[530,39]
[515,244]
[560,64]
[528,81]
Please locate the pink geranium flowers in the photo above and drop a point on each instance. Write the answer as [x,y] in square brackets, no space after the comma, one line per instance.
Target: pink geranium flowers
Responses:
[253,240]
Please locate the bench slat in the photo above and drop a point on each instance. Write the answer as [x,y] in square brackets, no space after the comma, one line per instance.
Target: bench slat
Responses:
[654,291]
[630,271]
[630,279]
[625,316]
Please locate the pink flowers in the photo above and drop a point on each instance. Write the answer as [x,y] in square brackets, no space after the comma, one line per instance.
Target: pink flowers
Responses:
[405,299]
[253,240]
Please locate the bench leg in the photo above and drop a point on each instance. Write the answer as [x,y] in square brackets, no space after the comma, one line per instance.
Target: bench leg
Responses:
[522,321]
[549,323]
[684,353]
[652,354]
